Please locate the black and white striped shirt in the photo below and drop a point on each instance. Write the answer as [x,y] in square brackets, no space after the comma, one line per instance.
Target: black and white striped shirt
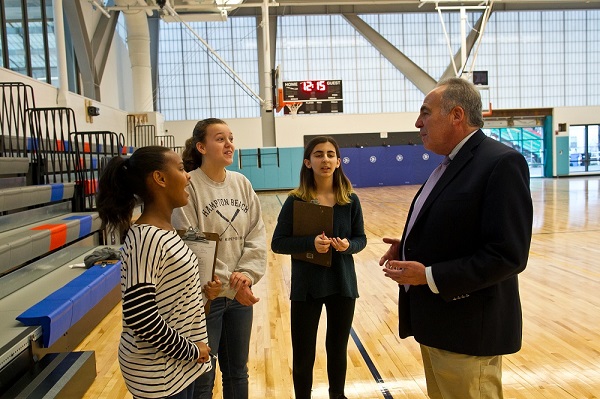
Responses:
[163,313]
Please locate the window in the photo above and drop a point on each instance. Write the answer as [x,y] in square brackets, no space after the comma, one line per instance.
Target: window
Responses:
[534,59]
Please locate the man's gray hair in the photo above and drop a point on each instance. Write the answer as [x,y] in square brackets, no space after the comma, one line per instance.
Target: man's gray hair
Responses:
[462,93]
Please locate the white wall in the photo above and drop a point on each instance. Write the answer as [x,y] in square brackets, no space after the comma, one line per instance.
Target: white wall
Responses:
[117,101]
[575,116]
[116,87]
[247,132]
[290,131]
[91,17]
[110,118]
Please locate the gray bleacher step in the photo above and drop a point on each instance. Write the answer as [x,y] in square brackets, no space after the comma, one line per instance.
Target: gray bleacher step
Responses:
[22,197]
[24,244]
[57,375]
[30,273]
[13,171]
[13,165]
[11,182]
[22,218]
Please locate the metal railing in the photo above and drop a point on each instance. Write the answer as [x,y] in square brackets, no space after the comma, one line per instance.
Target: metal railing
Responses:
[15,99]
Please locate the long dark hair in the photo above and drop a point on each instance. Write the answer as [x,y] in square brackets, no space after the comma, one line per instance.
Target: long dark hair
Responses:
[192,158]
[124,179]
[307,190]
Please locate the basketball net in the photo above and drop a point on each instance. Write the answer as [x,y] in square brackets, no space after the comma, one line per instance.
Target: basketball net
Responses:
[293,107]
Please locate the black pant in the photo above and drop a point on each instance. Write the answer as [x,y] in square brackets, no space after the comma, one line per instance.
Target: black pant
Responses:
[305,321]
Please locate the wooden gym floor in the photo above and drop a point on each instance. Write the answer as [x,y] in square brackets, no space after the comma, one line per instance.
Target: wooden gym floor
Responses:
[560,292]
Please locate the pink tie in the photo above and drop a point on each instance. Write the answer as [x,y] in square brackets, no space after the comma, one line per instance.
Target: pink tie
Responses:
[429,184]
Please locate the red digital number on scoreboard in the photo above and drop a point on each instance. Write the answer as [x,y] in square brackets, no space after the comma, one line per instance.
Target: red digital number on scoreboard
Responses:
[313,85]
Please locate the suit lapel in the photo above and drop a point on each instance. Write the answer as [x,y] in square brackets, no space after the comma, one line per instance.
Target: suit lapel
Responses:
[461,159]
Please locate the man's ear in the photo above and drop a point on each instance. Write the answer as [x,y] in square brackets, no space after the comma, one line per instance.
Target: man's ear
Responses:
[458,114]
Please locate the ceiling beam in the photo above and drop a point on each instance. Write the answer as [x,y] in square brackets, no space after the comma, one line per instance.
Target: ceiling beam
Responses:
[325,7]
[405,65]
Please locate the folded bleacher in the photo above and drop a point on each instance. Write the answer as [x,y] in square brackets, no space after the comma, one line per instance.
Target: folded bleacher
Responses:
[48,223]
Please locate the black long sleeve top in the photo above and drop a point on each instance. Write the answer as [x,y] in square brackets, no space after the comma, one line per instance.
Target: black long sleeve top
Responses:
[318,281]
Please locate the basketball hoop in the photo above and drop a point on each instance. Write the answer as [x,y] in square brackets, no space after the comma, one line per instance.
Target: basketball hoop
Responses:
[293,107]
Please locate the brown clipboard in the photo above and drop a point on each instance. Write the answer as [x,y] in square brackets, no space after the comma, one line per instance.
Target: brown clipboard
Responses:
[311,220]
[205,246]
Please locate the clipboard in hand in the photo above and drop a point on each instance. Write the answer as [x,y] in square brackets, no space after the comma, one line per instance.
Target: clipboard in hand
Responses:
[311,220]
[205,246]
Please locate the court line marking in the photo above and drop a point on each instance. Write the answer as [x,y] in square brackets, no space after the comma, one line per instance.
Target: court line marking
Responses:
[372,368]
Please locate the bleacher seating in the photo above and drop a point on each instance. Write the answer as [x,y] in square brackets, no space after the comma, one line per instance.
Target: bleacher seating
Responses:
[65,375]
[28,196]
[23,244]
[60,311]
[14,165]
[48,181]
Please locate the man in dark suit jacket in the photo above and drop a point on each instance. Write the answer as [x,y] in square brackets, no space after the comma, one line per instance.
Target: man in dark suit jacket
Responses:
[458,260]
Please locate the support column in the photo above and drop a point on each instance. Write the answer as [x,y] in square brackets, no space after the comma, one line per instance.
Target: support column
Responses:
[463,40]
[138,42]
[61,53]
[265,60]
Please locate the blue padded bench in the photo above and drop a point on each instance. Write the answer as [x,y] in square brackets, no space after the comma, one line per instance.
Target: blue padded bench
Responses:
[63,308]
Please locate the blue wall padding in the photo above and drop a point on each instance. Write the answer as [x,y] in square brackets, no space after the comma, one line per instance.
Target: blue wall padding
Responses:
[388,166]
[366,167]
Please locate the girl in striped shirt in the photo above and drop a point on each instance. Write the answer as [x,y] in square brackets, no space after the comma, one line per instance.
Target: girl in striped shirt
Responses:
[163,346]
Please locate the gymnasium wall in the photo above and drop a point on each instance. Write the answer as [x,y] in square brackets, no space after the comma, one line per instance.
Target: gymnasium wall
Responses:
[279,168]
[290,131]
[117,101]
[110,118]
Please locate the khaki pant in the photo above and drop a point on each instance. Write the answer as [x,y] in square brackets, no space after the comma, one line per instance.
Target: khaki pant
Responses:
[452,375]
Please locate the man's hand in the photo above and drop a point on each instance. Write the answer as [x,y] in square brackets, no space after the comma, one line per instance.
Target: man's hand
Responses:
[393,251]
[246,297]
[212,289]
[406,272]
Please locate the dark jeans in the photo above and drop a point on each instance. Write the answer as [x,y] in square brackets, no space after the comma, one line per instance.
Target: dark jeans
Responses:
[305,321]
[229,325]
[187,393]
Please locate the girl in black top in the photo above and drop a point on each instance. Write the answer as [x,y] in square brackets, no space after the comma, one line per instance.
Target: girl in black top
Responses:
[322,180]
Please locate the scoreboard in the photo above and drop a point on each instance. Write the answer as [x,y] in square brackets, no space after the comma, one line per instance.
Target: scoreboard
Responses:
[317,96]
